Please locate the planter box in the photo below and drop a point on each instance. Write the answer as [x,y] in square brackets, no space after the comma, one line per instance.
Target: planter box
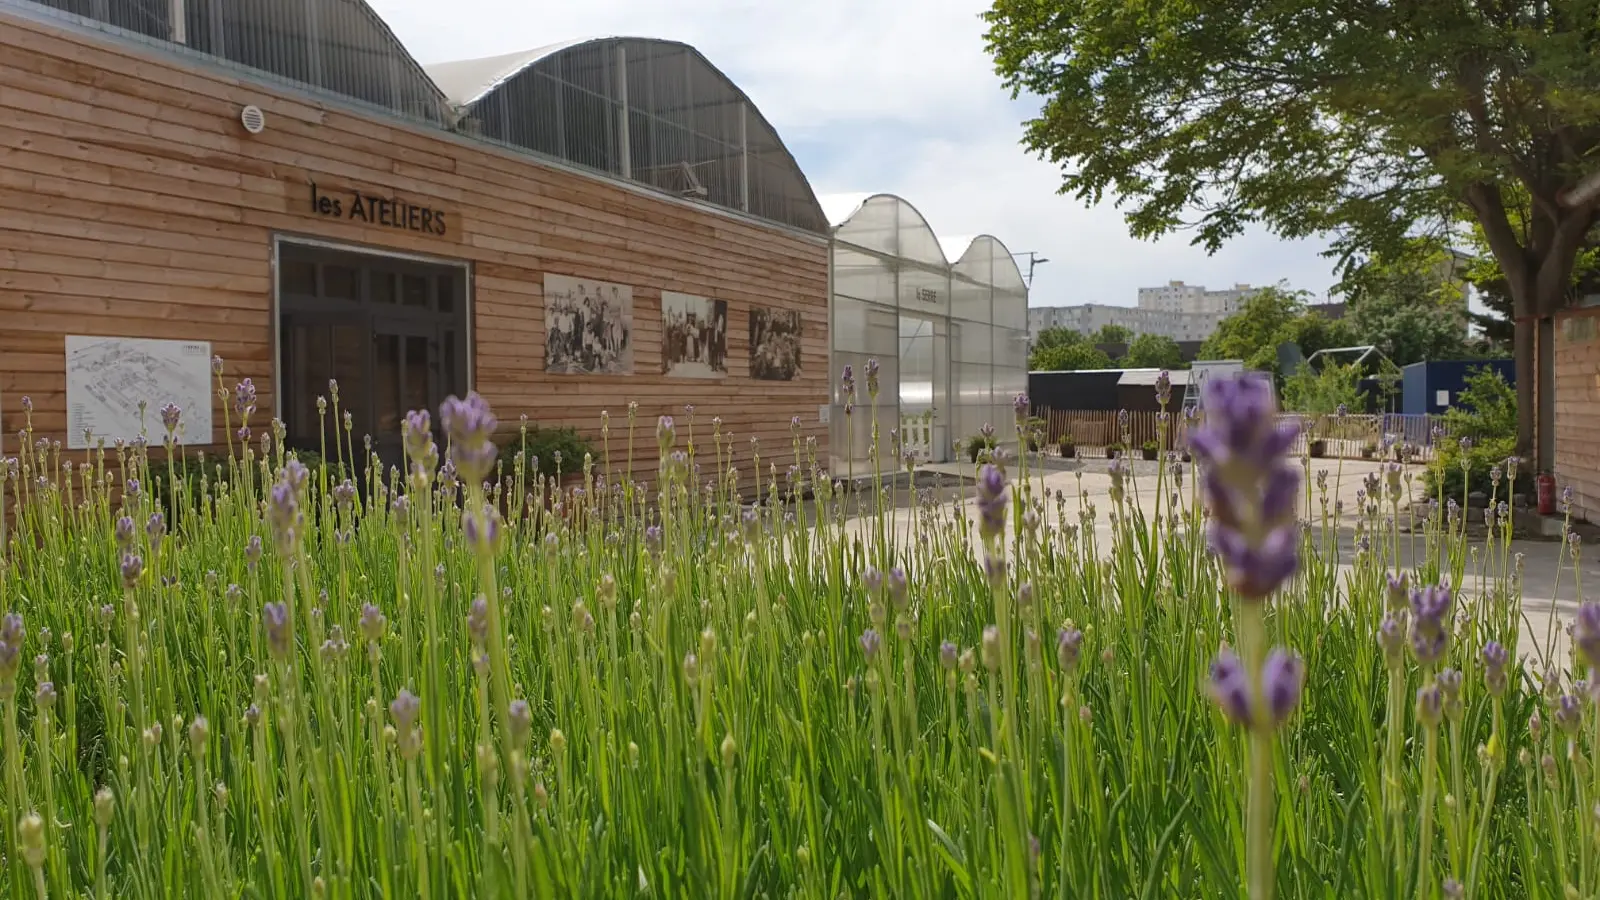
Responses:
[1068,451]
[1319,449]
[1150,453]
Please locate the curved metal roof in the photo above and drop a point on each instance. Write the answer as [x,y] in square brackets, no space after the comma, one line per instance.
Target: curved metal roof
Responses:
[891,224]
[648,110]
[341,46]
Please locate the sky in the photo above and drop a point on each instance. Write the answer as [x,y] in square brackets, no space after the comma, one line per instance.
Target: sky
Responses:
[891,96]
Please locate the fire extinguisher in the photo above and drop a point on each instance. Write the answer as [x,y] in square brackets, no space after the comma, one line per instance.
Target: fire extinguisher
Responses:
[1547,494]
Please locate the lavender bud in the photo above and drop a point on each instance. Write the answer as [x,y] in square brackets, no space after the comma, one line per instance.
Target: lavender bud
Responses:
[948,654]
[275,619]
[869,644]
[1069,648]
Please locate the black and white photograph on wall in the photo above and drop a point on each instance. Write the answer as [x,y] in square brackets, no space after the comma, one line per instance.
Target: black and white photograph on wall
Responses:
[694,336]
[588,327]
[774,344]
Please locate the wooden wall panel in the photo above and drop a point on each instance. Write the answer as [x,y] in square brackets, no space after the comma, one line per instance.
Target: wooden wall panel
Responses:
[133,203]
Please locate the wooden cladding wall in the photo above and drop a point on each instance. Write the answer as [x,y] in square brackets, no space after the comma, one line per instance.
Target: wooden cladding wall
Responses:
[133,203]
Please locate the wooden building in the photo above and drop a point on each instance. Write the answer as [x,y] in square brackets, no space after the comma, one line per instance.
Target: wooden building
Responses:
[564,231]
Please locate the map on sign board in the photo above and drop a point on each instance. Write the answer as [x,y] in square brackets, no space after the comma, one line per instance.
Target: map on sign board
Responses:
[108,377]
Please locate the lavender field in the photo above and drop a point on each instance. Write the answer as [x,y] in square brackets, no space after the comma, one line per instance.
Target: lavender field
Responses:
[262,676]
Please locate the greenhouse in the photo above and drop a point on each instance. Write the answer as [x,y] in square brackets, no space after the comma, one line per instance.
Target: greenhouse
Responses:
[946,321]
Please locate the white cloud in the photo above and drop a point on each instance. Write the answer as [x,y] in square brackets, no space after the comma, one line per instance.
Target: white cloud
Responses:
[890,96]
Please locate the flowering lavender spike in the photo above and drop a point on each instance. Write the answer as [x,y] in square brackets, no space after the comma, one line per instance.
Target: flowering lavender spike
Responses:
[870,643]
[991,501]
[1282,678]
[948,655]
[1069,648]
[123,531]
[1431,622]
[1230,688]
[899,593]
[275,620]
[1250,484]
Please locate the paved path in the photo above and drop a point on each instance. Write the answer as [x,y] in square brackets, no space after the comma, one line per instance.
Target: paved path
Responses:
[1549,586]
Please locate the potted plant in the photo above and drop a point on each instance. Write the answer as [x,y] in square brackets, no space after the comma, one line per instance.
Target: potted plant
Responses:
[1369,450]
[977,444]
[1068,449]
[1113,450]
[1150,450]
[1318,447]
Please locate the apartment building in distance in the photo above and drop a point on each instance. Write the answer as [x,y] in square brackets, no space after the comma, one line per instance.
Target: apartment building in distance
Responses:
[1183,312]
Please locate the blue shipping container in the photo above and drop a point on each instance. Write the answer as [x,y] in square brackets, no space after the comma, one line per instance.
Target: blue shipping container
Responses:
[1430,388]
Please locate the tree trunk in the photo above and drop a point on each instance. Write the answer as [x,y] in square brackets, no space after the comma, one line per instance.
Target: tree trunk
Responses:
[1524,341]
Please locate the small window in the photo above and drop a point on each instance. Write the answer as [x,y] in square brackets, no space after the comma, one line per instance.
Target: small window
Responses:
[341,282]
[298,276]
[447,293]
[381,287]
[414,291]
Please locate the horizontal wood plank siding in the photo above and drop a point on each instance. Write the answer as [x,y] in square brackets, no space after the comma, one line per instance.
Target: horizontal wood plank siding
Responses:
[132,203]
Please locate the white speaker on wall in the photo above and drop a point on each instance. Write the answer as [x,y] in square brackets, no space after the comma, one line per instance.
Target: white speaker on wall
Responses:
[253,119]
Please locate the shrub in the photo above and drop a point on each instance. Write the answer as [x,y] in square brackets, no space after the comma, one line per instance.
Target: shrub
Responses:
[1487,417]
[543,443]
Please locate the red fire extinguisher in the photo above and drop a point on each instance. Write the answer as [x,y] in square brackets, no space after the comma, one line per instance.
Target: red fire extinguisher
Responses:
[1547,494]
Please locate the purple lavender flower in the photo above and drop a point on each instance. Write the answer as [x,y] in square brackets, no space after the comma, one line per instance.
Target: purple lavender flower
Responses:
[1020,405]
[1163,387]
[847,382]
[1569,713]
[252,551]
[344,492]
[991,501]
[12,634]
[283,512]
[478,620]
[244,398]
[1250,483]
[373,623]
[871,370]
[899,592]
[870,643]
[275,620]
[1399,595]
[1230,688]
[1069,648]
[170,414]
[1430,704]
[1282,678]
[1586,633]
[1431,622]
[948,655]
[123,531]
[1495,658]
[132,568]
[156,527]
[470,424]
[404,709]
[1392,638]
[416,431]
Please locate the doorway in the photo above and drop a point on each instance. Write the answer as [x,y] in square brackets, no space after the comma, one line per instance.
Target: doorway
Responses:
[391,331]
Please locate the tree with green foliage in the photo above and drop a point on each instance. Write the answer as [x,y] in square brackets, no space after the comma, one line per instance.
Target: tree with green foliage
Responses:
[1410,305]
[1253,333]
[1368,120]
[1153,351]
[1322,391]
[1057,337]
[1069,358]
[1113,334]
